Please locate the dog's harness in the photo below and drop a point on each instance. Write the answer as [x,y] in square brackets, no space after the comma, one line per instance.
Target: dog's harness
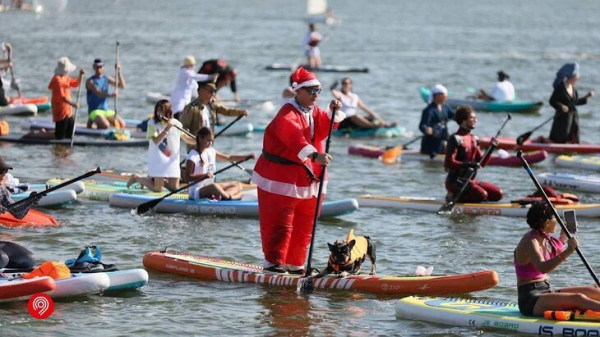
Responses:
[358,252]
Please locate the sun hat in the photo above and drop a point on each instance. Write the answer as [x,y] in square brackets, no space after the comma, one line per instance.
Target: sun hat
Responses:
[64,66]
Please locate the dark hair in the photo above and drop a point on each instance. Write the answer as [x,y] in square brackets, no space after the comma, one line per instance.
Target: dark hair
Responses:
[201,134]
[538,214]
[502,76]
[161,110]
[462,113]
[346,79]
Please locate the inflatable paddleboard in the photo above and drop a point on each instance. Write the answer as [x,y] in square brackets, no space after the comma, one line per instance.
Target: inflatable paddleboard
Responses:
[127,279]
[488,314]
[579,162]
[506,143]
[214,269]
[35,124]
[432,205]
[52,199]
[19,110]
[77,142]
[488,106]
[574,182]
[17,289]
[392,132]
[325,69]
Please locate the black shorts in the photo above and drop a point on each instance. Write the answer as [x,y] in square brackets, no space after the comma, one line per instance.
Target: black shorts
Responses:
[64,128]
[530,293]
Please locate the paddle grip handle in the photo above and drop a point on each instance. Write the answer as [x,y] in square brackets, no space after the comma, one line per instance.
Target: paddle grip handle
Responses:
[556,215]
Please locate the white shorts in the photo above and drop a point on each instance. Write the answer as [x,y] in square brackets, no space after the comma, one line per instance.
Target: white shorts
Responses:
[313,52]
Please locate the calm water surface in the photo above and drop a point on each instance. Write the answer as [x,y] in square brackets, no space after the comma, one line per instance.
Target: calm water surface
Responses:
[406,44]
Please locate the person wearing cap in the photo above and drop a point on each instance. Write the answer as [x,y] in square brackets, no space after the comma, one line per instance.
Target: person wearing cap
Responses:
[350,103]
[186,84]
[564,99]
[311,49]
[203,111]
[286,174]
[226,75]
[503,90]
[463,155]
[97,97]
[62,105]
[434,120]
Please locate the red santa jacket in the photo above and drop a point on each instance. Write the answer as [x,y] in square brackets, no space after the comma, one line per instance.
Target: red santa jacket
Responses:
[289,136]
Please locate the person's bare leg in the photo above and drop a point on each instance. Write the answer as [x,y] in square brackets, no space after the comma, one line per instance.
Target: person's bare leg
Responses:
[101,122]
[172,184]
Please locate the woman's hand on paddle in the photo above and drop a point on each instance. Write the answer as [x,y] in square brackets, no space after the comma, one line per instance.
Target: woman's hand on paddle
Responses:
[323,159]
[170,123]
[335,105]
[590,94]
[251,155]
[210,174]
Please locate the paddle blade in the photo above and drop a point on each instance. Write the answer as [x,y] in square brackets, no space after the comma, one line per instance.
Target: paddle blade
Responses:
[14,83]
[390,156]
[305,285]
[147,206]
[522,138]
[446,209]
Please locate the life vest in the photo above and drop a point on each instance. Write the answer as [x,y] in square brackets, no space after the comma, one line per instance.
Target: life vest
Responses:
[56,270]
[358,252]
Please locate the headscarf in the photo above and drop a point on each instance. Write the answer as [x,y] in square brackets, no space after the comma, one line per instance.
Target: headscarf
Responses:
[567,71]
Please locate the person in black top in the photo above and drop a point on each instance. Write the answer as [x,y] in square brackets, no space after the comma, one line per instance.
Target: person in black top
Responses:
[434,120]
[227,75]
[564,99]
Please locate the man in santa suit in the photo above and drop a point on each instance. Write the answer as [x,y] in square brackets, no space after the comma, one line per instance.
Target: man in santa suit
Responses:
[287,174]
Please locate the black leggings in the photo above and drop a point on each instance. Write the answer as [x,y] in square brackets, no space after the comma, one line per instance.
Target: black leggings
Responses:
[13,255]
[64,128]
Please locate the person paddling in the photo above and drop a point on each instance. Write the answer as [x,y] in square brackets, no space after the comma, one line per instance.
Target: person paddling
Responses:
[564,99]
[434,120]
[503,90]
[311,48]
[350,103]
[163,150]
[186,83]
[62,105]
[285,174]
[203,111]
[537,254]
[97,97]
[462,155]
[201,164]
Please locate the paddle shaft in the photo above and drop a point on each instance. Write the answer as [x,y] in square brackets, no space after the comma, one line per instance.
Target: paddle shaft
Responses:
[319,195]
[12,75]
[117,71]
[76,110]
[147,206]
[412,141]
[228,125]
[558,218]
[57,187]
[488,152]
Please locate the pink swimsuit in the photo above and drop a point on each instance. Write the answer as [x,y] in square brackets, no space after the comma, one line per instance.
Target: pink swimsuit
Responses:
[529,270]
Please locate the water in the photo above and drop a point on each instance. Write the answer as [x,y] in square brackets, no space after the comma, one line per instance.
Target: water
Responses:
[405,44]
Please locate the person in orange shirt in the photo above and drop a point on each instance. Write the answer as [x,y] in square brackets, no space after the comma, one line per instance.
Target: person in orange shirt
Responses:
[62,105]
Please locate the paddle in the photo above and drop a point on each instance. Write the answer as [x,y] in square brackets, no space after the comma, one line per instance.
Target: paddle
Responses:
[192,136]
[13,81]
[558,218]
[390,155]
[447,207]
[306,285]
[54,188]
[76,109]
[228,125]
[148,206]
[522,138]
[116,77]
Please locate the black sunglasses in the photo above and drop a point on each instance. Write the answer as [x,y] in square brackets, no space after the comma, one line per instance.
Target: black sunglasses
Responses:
[314,91]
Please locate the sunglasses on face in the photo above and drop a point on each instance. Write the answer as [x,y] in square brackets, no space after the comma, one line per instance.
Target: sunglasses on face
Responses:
[314,91]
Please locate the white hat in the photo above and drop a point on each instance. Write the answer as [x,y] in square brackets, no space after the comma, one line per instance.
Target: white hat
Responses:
[189,61]
[64,66]
[439,89]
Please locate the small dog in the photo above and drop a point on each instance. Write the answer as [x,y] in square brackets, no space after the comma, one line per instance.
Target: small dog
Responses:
[348,255]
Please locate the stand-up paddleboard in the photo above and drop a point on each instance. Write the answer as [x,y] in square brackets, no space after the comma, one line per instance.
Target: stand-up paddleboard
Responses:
[17,289]
[415,155]
[432,205]
[211,207]
[214,269]
[76,142]
[506,143]
[19,110]
[41,103]
[32,219]
[77,186]
[76,285]
[127,279]
[488,106]
[581,162]
[391,132]
[488,314]
[574,182]
[324,69]
[52,199]
[36,124]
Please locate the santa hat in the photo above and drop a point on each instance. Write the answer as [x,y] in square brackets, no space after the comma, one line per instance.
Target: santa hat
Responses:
[304,78]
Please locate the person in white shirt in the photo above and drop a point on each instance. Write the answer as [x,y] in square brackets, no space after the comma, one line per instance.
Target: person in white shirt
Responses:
[503,91]
[186,84]
[351,103]
[200,164]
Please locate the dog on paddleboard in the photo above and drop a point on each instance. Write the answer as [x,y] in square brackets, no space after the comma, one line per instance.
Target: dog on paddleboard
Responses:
[347,256]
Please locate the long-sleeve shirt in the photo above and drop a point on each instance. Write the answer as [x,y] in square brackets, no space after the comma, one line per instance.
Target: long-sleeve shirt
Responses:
[185,85]
[565,127]
[437,120]
[61,96]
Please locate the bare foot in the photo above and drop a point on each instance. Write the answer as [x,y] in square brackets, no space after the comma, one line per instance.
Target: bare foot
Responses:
[132,180]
